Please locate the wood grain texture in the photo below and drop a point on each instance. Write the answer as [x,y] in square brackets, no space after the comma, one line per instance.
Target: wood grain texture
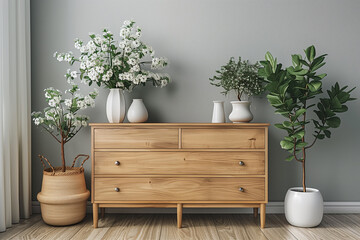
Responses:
[179,189]
[134,138]
[180,163]
[223,138]
[179,125]
[192,164]
[203,226]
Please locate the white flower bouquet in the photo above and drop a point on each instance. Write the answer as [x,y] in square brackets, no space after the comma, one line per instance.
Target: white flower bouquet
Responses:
[61,119]
[104,61]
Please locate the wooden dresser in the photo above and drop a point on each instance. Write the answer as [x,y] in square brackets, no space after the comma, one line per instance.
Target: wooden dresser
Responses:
[179,165]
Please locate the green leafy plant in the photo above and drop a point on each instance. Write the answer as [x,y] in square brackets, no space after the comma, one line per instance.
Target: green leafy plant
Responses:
[292,93]
[241,76]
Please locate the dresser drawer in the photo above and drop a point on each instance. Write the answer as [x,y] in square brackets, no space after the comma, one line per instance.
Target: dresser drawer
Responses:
[177,189]
[136,138]
[179,163]
[223,138]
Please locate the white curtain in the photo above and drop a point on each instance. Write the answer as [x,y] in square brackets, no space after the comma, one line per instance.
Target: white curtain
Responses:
[15,121]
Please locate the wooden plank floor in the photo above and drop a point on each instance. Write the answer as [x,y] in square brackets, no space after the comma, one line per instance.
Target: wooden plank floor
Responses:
[195,226]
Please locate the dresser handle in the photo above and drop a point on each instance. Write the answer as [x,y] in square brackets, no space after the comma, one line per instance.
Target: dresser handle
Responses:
[117,189]
[241,163]
[241,189]
[117,163]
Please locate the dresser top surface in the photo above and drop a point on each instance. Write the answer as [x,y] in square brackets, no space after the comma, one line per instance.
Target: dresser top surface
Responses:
[176,125]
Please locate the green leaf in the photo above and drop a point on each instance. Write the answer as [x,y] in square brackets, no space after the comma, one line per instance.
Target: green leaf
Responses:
[286,144]
[327,133]
[317,67]
[287,124]
[299,112]
[321,136]
[310,53]
[274,100]
[296,59]
[289,158]
[314,86]
[301,144]
[333,122]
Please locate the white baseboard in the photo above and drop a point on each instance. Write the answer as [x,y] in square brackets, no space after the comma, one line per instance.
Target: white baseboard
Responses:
[271,207]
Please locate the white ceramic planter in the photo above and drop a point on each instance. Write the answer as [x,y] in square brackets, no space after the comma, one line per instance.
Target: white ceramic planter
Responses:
[218,112]
[240,112]
[137,112]
[304,209]
[115,106]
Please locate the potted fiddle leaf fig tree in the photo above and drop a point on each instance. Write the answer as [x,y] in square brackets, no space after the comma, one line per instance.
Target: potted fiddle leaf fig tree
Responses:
[63,193]
[241,77]
[294,91]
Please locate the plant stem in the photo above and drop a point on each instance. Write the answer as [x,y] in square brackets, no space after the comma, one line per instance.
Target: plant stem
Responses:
[62,154]
[303,168]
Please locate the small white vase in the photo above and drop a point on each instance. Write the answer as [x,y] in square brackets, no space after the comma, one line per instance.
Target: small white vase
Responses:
[137,112]
[240,112]
[304,209]
[115,106]
[218,112]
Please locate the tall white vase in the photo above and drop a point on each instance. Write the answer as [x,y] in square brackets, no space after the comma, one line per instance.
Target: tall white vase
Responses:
[115,106]
[218,112]
[241,112]
[137,112]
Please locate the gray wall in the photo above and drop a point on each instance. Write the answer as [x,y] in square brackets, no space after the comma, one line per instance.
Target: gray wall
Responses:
[197,37]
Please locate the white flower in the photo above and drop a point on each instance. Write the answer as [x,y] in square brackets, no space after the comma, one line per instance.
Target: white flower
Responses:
[131,61]
[136,43]
[145,51]
[82,65]
[138,34]
[100,69]
[83,49]
[109,73]
[164,82]
[77,123]
[77,45]
[127,49]
[60,58]
[135,68]
[104,47]
[119,84]
[127,22]
[81,104]
[69,116]
[38,120]
[84,123]
[55,54]
[68,102]
[122,44]
[47,95]
[105,78]
[73,74]
[116,62]
[52,103]
[124,32]
[89,101]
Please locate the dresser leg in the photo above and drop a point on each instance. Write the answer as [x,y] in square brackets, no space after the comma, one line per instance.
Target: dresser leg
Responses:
[262,215]
[95,214]
[102,212]
[179,214]
[256,212]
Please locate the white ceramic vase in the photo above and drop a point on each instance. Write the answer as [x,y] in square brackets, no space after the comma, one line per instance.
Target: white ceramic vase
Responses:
[115,106]
[218,112]
[137,112]
[240,112]
[304,209]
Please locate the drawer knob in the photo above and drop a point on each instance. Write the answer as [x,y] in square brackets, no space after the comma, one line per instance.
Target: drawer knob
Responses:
[117,163]
[241,163]
[117,189]
[241,189]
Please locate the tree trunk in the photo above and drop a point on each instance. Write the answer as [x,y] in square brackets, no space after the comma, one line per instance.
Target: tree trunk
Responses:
[63,155]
